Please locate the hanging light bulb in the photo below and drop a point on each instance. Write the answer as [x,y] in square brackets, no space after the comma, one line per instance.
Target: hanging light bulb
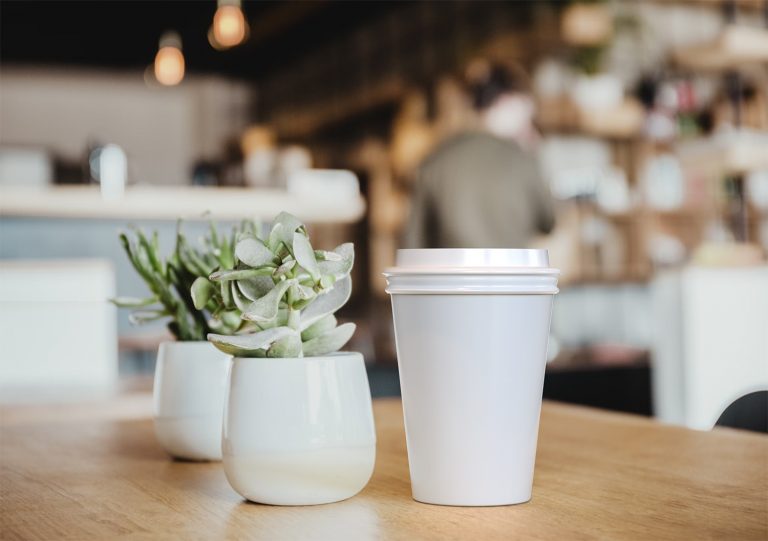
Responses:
[169,61]
[229,25]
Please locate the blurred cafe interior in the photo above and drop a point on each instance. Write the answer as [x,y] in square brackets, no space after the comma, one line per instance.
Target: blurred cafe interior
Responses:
[646,123]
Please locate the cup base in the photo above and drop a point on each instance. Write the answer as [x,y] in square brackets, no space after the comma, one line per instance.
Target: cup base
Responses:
[471,503]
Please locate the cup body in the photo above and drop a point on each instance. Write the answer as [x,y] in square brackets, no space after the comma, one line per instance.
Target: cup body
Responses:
[189,391]
[471,350]
[299,431]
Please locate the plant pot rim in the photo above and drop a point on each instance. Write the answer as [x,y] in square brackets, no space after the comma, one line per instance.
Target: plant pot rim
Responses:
[318,358]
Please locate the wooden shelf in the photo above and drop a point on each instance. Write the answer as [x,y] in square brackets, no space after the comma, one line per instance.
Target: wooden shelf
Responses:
[736,47]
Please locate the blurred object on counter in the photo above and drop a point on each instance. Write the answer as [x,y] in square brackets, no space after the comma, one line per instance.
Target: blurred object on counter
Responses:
[292,159]
[258,144]
[666,250]
[623,119]
[663,182]
[612,192]
[728,254]
[28,167]
[56,326]
[728,151]
[109,168]
[736,46]
[205,173]
[710,341]
[587,24]
[572,165]
[597,92]
[324,185]
[757,189]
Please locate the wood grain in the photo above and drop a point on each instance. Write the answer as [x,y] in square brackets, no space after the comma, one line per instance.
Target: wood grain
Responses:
[598,476]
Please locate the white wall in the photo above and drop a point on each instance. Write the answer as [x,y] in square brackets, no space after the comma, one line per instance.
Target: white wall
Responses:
[163,130]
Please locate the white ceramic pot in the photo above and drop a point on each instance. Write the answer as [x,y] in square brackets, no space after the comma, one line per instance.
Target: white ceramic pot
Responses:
[471,328]
[189,392]
[299,431]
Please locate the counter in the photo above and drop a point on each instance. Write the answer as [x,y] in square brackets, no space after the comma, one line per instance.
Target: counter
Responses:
[169,203]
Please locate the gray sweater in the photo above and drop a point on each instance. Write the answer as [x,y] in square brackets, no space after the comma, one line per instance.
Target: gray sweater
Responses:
[478,191]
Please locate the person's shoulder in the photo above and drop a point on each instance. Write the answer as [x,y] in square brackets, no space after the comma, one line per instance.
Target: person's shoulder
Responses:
[457,145]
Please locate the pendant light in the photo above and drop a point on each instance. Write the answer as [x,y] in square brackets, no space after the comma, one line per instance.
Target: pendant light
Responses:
[229,25]
[169,61]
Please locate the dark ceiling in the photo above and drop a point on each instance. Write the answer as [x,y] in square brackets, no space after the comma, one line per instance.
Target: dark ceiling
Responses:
[124,34]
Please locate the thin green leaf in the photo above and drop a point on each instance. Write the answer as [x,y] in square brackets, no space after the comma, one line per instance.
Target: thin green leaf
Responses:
[133,302]
[240,274]
[145,316]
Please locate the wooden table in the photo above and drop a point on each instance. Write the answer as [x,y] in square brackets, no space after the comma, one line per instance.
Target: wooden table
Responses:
[94,471]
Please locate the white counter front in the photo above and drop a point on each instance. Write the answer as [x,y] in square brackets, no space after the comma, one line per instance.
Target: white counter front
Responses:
[170,203]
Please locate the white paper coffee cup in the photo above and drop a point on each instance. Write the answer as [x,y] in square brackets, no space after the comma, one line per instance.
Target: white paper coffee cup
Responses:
[471,327]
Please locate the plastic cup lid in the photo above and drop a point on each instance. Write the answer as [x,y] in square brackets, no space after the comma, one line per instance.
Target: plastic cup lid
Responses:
[471,261]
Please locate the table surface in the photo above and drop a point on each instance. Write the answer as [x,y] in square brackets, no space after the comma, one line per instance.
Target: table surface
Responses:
[94,471]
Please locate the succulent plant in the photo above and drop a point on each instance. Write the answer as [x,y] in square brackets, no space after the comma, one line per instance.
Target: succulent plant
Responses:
[170,282]
[286,291]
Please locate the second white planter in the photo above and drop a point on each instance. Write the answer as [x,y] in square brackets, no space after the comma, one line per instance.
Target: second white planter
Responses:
[299,431]
[189,391]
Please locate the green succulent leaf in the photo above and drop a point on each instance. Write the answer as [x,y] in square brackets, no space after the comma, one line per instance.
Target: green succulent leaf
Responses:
[256,287]
[324,255]
[240,274]
[241,301]
[145,316]
[253,253]
[288,346]
[202,290]
[342,264]
[305,255]
[285,225]
[327,281]
[246,345]
[327,303]
[329,342]
[265,308]
[133,302]
[321,326]
[285,268]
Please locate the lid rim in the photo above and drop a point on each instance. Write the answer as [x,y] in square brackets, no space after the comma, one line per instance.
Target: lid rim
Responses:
[481,258]
[403,271]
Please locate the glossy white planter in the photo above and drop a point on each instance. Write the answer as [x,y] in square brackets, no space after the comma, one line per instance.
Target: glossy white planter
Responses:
[299,431]
[471,328]
[189,392]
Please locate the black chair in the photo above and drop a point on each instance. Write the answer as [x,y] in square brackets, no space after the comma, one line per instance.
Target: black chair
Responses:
[750,412]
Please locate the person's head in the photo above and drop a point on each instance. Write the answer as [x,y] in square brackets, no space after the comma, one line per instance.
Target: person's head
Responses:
[501,96]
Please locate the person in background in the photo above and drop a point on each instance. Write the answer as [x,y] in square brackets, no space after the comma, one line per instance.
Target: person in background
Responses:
[482,188]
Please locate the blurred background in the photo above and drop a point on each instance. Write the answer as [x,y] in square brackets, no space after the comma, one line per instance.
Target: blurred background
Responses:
[645,123]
